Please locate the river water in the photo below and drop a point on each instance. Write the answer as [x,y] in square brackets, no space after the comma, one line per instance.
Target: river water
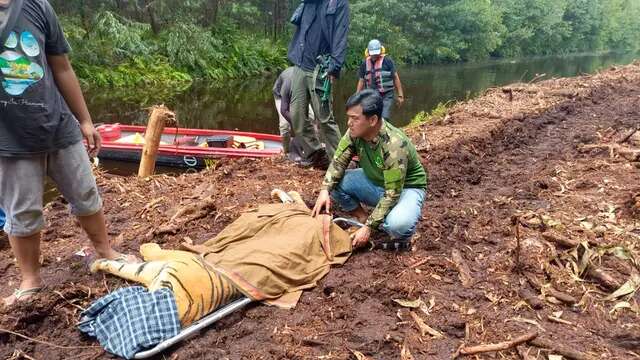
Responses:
[248,105]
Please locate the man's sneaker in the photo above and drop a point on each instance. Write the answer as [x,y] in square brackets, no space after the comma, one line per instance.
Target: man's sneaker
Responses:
[392,245]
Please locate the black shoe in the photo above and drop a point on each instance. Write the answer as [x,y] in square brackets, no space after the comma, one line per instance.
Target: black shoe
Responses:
[320,159]
[392,245]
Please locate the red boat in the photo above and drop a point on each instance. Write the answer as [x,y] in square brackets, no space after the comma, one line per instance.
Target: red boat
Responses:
[190,148]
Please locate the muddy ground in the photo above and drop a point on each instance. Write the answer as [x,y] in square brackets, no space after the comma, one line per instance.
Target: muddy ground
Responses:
[550,157]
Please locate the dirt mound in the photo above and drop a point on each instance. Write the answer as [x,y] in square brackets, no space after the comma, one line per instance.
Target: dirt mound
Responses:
[530,224]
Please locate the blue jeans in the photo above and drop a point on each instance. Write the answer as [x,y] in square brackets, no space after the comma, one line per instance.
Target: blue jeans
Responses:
[356,188]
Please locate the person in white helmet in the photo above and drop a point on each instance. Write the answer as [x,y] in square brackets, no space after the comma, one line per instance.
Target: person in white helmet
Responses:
[378,72]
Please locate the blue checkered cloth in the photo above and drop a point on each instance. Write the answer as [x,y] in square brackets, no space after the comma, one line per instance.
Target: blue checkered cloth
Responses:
[131,320]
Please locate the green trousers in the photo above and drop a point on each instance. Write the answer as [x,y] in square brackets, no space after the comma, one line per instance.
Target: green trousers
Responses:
[307,89]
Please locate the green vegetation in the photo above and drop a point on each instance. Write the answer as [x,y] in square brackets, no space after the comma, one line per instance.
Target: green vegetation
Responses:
[439,112]
[168,44]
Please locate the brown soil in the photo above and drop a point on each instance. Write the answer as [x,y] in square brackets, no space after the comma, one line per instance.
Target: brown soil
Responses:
[514,155]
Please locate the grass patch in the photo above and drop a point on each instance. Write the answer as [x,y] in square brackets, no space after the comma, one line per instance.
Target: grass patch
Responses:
[439,112]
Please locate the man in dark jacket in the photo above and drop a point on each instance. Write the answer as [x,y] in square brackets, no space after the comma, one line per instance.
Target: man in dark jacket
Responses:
[317,50]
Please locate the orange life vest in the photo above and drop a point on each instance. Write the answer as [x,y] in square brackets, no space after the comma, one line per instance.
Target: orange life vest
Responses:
[376,78]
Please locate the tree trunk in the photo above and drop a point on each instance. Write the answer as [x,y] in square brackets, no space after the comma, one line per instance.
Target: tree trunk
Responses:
[153,20]
[210,12]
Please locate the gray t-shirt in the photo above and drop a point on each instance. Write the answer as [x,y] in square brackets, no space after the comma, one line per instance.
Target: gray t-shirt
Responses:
[34,117]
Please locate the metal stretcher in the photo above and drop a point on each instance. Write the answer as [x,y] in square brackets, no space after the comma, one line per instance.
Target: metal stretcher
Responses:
[195,327]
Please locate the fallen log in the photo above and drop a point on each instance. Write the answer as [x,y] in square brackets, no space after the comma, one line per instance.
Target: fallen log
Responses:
[550,290]
[628,136]
[463,269]
[185,215]
[531,299]
[559,239]
[604,278]
[625,152]
[560,349]
[478,349]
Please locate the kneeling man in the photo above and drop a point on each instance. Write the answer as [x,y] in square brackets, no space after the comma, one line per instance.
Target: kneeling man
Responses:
[390,178]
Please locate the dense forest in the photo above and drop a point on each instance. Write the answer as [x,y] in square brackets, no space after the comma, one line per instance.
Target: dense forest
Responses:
[126,43]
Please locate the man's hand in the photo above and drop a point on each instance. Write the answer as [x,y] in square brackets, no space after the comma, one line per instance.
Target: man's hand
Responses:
[324,201]
[400,100]
[361,237]
[94,141]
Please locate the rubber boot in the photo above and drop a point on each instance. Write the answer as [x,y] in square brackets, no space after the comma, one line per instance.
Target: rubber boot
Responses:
[320,159]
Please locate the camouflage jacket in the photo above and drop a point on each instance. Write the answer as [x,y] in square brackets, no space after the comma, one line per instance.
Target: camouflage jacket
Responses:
[390,161]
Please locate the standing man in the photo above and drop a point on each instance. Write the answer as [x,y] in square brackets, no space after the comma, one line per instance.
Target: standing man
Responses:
[283,82]
[43,119]
[390,178]
[378,72]
[282,97]
[318,51]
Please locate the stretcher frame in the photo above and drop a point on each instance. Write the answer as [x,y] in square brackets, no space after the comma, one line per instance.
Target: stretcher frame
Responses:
[195,327]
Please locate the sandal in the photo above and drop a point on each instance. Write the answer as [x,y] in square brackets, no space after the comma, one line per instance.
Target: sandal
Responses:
[18,294]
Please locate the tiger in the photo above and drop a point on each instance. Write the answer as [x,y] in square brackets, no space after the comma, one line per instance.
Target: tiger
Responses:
[197,288]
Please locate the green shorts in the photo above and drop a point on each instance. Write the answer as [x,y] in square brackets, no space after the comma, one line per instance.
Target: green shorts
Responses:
[22,187]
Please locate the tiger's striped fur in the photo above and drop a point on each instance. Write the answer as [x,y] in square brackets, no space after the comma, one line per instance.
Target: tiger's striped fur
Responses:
[197,288]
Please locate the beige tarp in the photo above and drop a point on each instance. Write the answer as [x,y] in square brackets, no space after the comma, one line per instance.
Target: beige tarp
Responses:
[273,253]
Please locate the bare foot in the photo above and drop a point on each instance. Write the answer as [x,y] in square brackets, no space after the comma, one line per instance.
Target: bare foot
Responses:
[114,255]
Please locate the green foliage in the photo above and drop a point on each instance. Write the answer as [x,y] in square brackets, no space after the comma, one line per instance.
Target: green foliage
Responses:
[168,43]
[137,72]
[119,52]
[438,31]
[439,112]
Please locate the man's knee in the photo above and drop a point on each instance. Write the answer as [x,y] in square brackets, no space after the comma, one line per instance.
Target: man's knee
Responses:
[24,223]
[352,180]
[87,203]
[400,227]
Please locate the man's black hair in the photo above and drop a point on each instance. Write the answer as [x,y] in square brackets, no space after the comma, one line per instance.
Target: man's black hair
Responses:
[370,100]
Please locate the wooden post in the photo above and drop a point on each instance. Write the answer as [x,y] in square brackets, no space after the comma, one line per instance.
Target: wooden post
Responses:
[160,115]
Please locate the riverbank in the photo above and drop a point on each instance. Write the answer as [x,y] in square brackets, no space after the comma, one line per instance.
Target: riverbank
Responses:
[546,154]
[248,105]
